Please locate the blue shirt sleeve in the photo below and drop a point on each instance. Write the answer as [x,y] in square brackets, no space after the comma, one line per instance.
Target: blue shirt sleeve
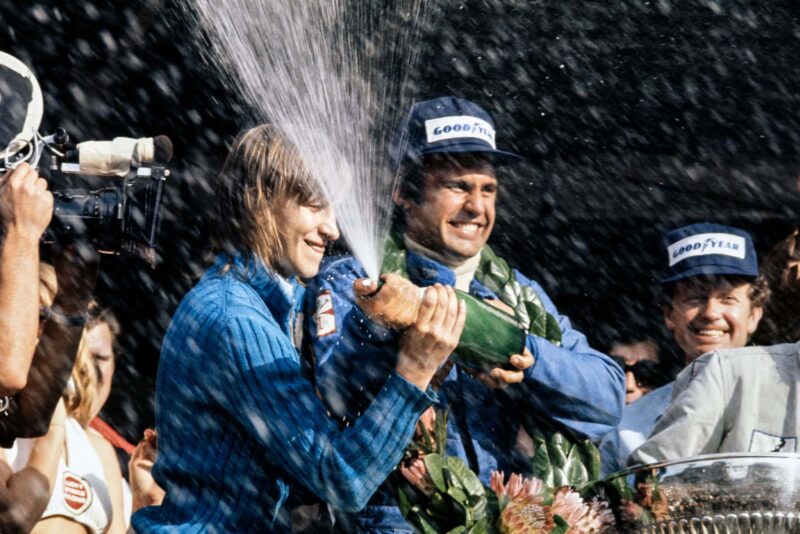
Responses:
[272,400]
[574,384]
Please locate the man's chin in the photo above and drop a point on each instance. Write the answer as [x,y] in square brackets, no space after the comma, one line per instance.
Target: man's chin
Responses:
[460,249]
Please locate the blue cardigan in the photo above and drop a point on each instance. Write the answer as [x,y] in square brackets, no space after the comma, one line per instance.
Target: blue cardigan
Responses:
[242,436]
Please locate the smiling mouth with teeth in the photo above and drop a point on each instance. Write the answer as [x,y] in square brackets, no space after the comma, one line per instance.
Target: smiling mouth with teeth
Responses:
[466,228]
[708,332]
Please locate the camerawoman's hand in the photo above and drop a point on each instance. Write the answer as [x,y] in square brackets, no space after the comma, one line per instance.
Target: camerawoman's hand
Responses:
[395,305]
[26,205]
[427,343]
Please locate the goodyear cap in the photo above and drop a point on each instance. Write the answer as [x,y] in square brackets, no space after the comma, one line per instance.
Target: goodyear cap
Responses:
[449,125]
[708,249]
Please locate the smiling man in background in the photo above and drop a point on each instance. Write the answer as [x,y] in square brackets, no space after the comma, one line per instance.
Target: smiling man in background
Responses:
[713,299]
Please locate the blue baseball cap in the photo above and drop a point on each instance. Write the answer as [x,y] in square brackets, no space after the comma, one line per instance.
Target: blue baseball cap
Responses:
[449,125]
[708,249]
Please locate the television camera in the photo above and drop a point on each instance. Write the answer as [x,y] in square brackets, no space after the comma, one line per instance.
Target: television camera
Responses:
[105,192]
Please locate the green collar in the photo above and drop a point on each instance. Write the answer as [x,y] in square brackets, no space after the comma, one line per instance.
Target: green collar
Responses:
[494,273]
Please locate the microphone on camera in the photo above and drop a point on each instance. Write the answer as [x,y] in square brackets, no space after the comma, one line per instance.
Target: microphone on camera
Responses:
[118,156]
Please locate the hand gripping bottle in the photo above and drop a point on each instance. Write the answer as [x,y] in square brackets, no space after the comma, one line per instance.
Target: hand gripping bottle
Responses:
[490,336]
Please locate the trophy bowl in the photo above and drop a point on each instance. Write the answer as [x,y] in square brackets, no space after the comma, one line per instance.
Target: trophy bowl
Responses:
[715,493]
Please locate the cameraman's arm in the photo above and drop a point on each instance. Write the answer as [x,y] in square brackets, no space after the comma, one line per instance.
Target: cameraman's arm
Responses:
[76,270]
[26,207]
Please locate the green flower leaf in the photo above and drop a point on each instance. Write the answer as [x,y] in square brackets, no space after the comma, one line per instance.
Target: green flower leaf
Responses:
[405,502]
[435,464]
[459,495]
[559,477]
[557,448]
[622,488]
[576,472]
[590,456]
[425,524]
[480,527]
[542,467]
[440,428]
[561,525]
[464,478]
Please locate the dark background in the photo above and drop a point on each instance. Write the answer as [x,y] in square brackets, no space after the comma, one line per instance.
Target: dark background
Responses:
[636,117]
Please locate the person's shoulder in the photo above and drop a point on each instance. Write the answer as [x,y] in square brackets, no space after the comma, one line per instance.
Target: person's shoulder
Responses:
[340,265]
[538,289]
[220,290]
[207,310]
[100,444]
[336,274]
[757,359]
[783,351]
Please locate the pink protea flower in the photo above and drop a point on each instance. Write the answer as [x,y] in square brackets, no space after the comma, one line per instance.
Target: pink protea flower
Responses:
[526,514]
[582,517]
[521,503]
[516,485]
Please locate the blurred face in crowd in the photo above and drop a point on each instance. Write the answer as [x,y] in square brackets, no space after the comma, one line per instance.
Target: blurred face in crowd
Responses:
[305,230]
[632,353]
[100,342]
[633,389]
[707,315]
[455,212]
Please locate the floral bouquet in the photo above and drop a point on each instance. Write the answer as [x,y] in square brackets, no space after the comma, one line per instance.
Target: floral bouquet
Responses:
[439,494]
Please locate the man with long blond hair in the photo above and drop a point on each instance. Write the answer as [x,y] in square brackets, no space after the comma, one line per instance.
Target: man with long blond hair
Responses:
[242,437]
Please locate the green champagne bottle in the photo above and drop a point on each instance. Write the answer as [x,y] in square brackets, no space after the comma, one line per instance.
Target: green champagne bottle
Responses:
[490,336]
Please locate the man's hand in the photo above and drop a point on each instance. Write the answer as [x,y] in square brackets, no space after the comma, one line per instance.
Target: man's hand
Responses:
[499,378]
[433,336]
[395,305]
[26,206]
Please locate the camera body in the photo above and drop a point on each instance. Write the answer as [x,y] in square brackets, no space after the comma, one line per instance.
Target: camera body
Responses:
[113,213]
[107,193]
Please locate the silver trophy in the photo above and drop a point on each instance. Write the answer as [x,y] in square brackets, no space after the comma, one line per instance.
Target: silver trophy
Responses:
[716,493]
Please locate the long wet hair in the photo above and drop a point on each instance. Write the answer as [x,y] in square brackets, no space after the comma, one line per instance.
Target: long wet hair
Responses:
[262,171]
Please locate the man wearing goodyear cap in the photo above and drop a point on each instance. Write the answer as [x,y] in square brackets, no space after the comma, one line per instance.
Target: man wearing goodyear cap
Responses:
[732,400]
[446,207]
[713,299]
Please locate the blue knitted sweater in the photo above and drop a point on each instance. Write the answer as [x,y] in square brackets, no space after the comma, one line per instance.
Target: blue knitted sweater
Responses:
[242,436]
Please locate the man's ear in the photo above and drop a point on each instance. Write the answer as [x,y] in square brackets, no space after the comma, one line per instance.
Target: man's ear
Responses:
[668,321]
[756,313]
[400,200]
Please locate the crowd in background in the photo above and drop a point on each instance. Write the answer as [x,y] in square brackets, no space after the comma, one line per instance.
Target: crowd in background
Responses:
[58,350]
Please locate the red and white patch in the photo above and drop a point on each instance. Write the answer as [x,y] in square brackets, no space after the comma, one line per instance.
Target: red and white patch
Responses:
[77,493]
[325,316]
